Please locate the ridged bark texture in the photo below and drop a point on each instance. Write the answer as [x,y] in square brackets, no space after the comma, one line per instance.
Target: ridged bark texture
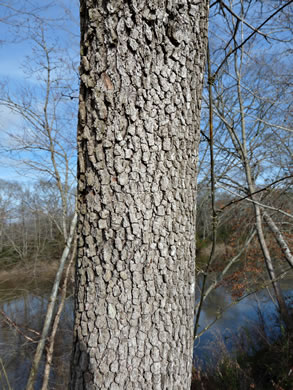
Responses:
[142,65]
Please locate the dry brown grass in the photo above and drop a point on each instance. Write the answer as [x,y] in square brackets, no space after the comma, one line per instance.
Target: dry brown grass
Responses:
[24,276]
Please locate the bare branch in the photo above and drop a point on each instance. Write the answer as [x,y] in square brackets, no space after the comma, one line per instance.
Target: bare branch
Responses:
[255,192]
[250,36]
[222,4]
[258,203]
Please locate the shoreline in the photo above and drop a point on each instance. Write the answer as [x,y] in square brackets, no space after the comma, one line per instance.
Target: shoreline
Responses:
[31,275]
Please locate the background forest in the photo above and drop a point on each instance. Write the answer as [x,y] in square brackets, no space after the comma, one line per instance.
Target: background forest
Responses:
[244,203]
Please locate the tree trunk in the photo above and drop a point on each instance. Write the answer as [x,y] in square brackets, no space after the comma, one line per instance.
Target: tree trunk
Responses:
[142,66]
[257,212]
[50,309]
[279,238]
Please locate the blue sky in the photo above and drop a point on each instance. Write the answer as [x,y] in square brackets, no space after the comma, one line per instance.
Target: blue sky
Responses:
[16,51]
[63,29]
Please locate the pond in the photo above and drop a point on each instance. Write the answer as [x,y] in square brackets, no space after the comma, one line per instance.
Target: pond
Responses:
[223,337]
[27,308]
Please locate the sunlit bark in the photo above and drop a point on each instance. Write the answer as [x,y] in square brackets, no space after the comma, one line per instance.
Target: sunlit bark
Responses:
[142,67]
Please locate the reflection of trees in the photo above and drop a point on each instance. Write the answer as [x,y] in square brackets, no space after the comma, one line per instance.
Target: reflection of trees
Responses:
[27,310]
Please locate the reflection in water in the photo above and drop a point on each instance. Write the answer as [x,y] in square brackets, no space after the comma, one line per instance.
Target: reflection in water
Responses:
[27,309]
[224,334]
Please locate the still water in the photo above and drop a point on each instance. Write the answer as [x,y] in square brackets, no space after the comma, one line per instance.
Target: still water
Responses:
[251,312]
[27,308]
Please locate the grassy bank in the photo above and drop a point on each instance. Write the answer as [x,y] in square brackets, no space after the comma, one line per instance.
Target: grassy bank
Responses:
[263,364]
[32,277]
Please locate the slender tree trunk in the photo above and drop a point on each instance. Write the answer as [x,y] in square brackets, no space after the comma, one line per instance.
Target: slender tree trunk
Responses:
[50,308]
[50,350]
[279,238]
[258,217]
[213,197]
[270,267]
[142,66]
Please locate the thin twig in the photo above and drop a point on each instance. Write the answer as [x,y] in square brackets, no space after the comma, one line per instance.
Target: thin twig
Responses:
[261,287]
[13,324]
[242,20]
[258,203]
[247,39]
[256,192]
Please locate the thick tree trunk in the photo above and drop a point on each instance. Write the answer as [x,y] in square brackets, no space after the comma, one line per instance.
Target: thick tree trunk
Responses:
[142,66]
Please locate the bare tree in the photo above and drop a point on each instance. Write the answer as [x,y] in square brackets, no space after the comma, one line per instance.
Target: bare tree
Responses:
[46,145]
[250,96]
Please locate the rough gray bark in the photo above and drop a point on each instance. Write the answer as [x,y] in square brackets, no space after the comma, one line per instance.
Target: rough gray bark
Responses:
[142,65]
